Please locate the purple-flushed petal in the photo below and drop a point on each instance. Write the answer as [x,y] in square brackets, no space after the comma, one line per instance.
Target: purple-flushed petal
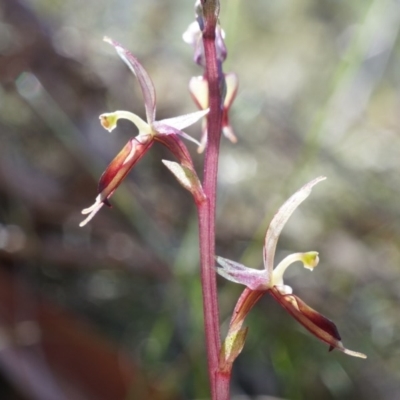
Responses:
[320,326]
[254,279]
[143,77]
[280,219]
[183,121]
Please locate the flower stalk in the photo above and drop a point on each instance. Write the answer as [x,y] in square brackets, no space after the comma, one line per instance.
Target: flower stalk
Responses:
[206,212]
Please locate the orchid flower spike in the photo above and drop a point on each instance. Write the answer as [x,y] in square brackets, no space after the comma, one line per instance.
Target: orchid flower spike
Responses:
[198,85]
[270,280]
[167,131]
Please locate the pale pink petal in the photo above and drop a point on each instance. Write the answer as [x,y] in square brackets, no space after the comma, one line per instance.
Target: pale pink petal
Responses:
[254,279]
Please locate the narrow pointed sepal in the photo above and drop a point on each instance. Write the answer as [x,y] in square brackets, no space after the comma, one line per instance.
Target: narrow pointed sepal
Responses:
[188,179]
[254,279]
[145,82]
[320,326]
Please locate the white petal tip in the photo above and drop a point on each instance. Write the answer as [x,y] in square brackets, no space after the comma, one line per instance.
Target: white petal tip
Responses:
[354,353]
[92,211]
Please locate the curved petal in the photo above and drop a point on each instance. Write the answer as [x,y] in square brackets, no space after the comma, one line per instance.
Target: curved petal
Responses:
[280,219]
[321,327]
[146,84]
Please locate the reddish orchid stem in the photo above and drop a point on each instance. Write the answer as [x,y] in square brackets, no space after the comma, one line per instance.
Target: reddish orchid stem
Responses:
[206,210]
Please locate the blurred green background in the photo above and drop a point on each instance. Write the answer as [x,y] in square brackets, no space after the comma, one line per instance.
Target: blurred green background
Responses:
[319,95]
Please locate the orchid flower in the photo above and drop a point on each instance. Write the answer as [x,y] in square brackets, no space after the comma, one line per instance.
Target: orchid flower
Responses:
[167,131]
[198,87]
[270,280]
